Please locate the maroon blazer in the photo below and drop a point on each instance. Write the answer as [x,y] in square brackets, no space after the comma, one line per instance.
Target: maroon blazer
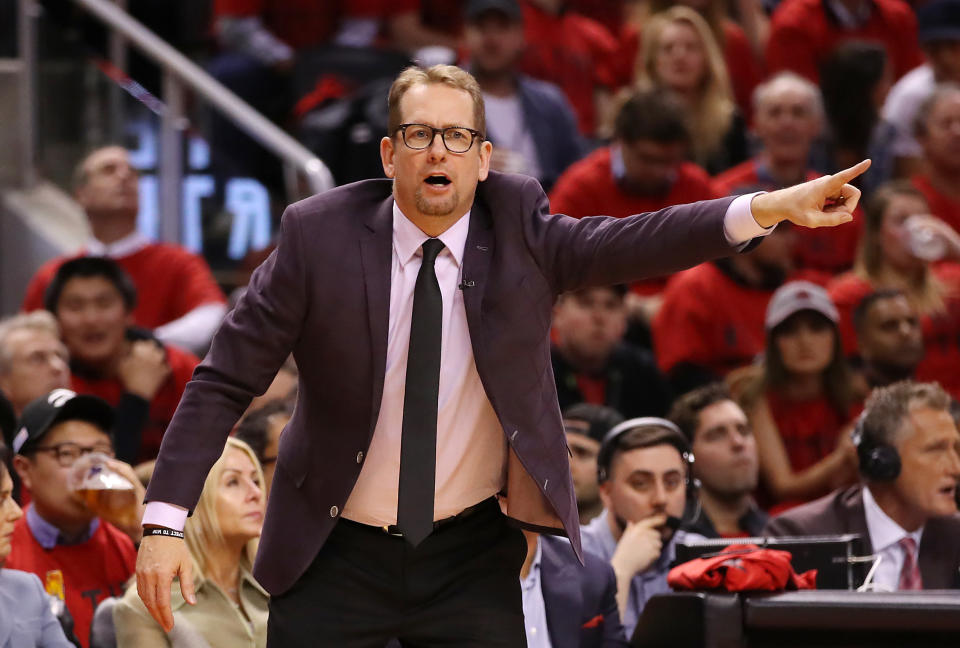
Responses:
[842,512]
[324,294]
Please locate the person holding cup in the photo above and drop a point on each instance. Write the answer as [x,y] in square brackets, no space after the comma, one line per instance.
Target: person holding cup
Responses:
[904,248]
[58,531]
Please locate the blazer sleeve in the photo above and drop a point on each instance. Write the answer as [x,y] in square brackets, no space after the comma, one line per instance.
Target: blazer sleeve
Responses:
[613,633]
[603,250]
[51,632]
[252,343]
[783,525]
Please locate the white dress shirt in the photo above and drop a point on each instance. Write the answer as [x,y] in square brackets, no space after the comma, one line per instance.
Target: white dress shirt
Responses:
[534,607]
[885,535]
[471,447]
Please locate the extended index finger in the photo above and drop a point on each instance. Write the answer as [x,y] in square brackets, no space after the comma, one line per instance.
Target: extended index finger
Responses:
[841,178]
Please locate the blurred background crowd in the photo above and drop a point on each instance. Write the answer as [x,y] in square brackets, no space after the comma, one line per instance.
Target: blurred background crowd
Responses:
[764,360]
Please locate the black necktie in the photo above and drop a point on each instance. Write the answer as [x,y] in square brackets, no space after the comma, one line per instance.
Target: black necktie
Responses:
[418,446]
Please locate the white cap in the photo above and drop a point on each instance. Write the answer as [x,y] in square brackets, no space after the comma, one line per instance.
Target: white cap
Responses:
[796,296]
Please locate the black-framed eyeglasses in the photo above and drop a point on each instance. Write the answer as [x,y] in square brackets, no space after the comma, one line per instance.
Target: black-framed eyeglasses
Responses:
[457,139]
[68,452]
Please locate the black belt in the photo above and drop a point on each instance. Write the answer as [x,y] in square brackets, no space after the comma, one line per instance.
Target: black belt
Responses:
[445,523]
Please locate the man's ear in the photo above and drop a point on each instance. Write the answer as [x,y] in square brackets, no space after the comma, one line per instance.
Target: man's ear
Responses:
[22,465]
[387,153]
[604,492]
[486,150]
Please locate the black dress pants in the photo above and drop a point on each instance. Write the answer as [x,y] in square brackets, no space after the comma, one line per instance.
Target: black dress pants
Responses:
[460,587]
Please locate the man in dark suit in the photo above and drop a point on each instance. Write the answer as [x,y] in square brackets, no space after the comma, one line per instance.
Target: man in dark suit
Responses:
[906,512]
[419,310]
[565,603]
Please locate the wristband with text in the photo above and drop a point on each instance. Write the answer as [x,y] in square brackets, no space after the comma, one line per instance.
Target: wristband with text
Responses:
[162,531]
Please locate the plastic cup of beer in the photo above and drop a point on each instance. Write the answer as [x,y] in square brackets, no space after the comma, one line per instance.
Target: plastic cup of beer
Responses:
[105,492]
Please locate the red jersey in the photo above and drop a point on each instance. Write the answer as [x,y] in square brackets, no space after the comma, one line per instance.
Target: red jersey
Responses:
[744,69]
[709,320]
[588,188]
[92,571]
[802,36]
[163,405]
[170,281]
[825,249]
[943,207]
[941,331]
[574,52]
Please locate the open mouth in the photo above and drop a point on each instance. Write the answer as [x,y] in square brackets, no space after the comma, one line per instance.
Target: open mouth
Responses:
[437,180]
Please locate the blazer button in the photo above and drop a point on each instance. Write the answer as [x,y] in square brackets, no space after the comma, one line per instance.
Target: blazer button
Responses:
[333,511]
[360,457]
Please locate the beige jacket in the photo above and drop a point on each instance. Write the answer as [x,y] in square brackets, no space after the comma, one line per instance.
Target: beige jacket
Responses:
[214,622]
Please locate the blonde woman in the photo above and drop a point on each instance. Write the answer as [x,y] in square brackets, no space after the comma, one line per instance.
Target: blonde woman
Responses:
[222,533]
[679,53]
[886,260]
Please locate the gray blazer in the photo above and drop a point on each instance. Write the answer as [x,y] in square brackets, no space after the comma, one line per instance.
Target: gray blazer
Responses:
[324,294]
[26,620]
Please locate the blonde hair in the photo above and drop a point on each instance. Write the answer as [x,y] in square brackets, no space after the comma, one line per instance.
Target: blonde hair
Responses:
[39,320]
[926,293]
[448,75]
[712,114]
[202,530]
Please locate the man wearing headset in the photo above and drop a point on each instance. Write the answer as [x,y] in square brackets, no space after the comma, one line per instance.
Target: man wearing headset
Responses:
[644,473]
[905,509]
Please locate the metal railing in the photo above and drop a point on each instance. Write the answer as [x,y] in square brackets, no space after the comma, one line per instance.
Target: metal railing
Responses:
[179,74]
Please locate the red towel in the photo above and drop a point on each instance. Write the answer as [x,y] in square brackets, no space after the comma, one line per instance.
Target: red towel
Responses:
[742,568]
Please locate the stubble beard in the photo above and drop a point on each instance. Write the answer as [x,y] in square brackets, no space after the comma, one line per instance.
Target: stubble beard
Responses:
[436,208]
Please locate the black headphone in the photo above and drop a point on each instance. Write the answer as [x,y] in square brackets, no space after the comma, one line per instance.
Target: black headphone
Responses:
[878,461]
[674,437]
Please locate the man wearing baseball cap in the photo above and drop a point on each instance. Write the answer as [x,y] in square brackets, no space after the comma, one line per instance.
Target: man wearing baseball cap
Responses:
[585,425]
[58,531]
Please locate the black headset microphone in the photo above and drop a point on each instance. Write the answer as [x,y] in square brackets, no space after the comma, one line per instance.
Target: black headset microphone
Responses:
[675,438]
[878,461]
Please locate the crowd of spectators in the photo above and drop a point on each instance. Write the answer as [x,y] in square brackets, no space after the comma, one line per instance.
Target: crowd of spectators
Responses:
[782,370]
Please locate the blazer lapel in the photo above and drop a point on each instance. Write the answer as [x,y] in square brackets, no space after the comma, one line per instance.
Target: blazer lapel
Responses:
[938,557]
[477,257]
[376,244]
[562,596]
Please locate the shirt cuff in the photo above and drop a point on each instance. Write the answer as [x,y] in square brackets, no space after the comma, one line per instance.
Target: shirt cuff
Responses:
[739,225]
[165,515]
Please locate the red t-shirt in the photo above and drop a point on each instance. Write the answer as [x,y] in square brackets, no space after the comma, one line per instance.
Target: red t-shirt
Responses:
[92,571]
[574,52]
[163,405]
[170,282]
[710,320]
[943,207]
[588,188]
[824,249]
[744,69]
[941,331]
[802,36]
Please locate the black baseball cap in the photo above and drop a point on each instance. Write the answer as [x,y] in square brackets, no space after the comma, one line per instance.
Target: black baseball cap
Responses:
[56,407]
[510,8]
[938,20]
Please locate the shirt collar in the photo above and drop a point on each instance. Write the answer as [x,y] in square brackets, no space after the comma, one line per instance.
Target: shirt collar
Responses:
[48,536]
[129,244]
[533,576]
[884,532]
[407,237]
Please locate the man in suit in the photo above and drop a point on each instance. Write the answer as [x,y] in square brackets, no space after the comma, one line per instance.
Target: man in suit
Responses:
[566,604]
[905,510]
[365,537]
